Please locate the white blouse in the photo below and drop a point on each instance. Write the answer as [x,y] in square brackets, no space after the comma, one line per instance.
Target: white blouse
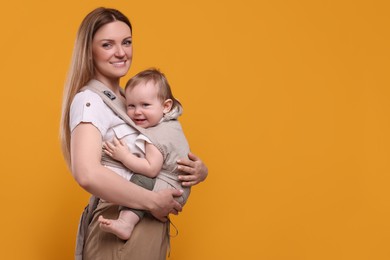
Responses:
[88,107]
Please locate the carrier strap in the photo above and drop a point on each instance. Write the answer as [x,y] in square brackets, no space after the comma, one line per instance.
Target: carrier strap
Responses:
[111,100]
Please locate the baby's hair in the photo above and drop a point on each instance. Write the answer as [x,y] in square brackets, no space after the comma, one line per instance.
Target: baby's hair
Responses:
[158,78]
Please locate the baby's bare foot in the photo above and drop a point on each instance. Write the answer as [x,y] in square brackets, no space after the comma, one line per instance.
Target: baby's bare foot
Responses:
[118,227]
[104,221]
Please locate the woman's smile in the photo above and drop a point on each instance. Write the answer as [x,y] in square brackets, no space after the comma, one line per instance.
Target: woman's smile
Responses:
[121,63]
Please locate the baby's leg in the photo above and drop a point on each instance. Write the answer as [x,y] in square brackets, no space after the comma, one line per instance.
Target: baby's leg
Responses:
[121,227]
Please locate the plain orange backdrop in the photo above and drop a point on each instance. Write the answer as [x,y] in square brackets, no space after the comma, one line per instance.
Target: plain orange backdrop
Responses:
[287,102]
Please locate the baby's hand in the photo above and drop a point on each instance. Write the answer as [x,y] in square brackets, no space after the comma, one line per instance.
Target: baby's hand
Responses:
[116,149]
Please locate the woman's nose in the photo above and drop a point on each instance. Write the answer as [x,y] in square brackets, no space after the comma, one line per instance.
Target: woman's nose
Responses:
[120,52]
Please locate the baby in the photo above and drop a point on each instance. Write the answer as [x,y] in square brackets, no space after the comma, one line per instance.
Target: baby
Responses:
[151,105]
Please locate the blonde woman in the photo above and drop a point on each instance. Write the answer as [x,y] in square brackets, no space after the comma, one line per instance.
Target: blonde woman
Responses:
[102,55]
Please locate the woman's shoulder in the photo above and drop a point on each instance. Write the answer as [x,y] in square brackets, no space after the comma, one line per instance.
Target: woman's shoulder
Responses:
[87,95]
[87,106]
[89,100]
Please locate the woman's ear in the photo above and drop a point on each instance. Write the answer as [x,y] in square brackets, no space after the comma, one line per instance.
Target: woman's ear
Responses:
[167,105]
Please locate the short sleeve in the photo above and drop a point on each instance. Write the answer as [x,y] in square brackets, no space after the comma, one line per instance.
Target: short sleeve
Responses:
[140,142]
[88,107]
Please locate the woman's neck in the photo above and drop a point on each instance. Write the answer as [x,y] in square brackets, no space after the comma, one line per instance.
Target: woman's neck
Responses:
[112,84]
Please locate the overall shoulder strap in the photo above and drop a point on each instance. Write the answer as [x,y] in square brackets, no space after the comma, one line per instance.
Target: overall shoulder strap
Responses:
[115,104]
[111,100]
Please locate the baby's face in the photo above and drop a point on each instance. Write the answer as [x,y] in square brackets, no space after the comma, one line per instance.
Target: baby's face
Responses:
[143,105]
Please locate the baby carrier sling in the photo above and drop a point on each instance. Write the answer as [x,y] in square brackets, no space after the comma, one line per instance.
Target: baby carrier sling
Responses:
[119,109]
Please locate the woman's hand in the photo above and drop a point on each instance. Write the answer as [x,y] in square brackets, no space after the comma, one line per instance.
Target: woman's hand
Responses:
[194,170]
[165,204]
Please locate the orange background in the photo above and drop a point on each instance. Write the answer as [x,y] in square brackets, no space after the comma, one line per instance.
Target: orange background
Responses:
[287,102]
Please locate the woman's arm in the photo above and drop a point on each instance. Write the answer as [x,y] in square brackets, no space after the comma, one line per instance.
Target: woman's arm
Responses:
[90,174]
[194,170]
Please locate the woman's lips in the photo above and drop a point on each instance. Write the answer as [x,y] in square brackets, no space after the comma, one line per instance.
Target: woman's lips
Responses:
[119,63]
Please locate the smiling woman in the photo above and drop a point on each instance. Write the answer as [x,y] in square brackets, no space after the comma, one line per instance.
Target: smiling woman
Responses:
[87,122]
[113,52]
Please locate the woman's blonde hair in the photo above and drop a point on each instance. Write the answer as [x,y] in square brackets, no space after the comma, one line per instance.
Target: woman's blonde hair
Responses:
[82,66]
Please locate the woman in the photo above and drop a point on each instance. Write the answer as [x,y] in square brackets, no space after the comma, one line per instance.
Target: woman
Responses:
[102,55]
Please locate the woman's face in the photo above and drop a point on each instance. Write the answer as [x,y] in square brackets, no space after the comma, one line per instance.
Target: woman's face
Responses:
[112,51]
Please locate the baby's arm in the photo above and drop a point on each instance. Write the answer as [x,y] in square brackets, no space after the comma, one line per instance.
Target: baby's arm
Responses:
[149,166]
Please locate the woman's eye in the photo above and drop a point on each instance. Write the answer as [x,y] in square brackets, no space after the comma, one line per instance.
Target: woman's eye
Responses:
[127,42]
[106,45]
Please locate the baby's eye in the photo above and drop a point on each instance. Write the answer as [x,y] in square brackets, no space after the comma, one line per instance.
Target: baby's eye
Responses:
[130,107]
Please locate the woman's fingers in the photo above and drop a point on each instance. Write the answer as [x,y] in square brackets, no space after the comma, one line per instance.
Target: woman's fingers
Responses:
[188,180]
[174,212]
[193,170]
[187,177]
[186,163]
[193,157]
[166,204]
[177,207]
[189,183]
[186,169]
